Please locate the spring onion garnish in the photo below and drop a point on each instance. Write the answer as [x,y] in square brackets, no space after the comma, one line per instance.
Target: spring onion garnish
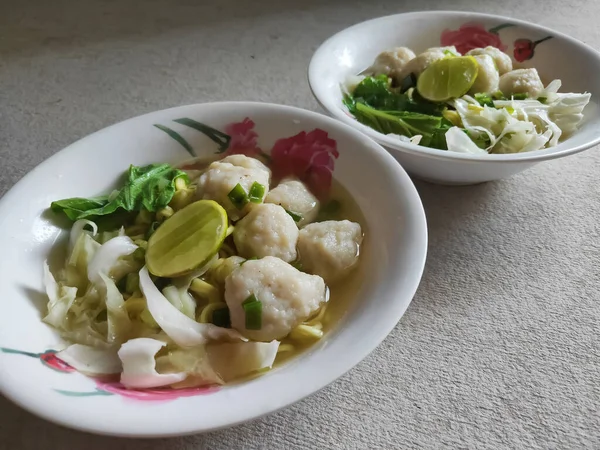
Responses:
[257,192]
[296,265]
[238,196]
[294,215]
[253,310]
[485,99]
[519,96]
[220,318]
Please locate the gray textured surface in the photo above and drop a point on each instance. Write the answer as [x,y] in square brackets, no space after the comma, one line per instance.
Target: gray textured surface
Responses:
[500,346]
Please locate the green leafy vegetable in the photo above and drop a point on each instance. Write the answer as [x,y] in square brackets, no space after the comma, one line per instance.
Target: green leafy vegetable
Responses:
[376,92]
[253,310]
[150,187]
[404,123]
[522,96]
[238,196]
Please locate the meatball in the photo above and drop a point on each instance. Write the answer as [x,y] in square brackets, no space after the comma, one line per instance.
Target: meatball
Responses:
[222,176]
[451,49]
[392,62]
[294,196]
[421,62]
[487,77]
[267,230]
[501,59]
[521,81]
[288,297]
[329,248]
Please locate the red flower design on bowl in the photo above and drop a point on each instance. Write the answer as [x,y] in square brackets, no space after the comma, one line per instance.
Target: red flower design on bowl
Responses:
[472,35]
[243,138]
[307,156]
[50,359]
[156,394]
[524,49]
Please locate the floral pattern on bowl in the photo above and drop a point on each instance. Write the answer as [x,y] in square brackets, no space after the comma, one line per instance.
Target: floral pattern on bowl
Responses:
[309,156]
[474,35]
[108,386]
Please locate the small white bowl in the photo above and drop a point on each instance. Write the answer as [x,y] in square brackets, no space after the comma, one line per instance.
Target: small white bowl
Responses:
[352,50]
[394,257]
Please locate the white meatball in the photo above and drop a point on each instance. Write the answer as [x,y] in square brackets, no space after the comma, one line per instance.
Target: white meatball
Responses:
[422,62]
[487,77]
[294,196]
[521,81]
[501,59]
[329,248]
[288,296]
[222,176]
[392,62]
[267,230]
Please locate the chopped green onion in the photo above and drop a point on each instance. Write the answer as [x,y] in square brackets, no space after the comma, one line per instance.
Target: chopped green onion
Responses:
[542,99]
[519,96]
[253,310]
[498,96]
[238,196]
[485,99]
[297,265]
[221,318]
[297,217]
[257,192]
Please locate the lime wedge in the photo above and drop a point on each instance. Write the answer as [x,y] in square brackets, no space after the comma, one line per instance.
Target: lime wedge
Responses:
[448,78]
[187,240]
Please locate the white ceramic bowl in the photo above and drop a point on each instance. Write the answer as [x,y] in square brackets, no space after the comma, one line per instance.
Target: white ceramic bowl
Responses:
[352,50]
[395,250]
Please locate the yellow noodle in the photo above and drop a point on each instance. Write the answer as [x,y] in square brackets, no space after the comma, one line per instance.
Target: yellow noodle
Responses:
[180,184]
[207,311]
[164,213]
[285,348]
[305,333]
[318,318]
[205,290]
[144,217]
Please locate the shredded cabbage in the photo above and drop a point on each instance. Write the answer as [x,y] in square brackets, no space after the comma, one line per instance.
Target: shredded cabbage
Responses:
[107,256]
[139,365]
[183,330]
[249,357]
[79,228]
[61,299]
[91,360]
[514,126]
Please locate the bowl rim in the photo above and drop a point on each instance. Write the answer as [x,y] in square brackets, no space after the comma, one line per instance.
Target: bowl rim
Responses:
[415,213]
[319,93]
